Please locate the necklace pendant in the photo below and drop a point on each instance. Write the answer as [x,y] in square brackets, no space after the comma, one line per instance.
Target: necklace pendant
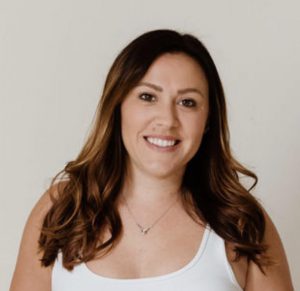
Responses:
[145,230]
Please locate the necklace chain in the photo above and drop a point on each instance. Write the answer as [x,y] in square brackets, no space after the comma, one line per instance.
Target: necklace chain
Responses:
[145,230]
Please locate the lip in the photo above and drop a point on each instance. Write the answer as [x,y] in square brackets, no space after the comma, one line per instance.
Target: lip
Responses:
[162,149]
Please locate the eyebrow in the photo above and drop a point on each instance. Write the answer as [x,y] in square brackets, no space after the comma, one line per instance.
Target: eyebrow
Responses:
[160,89]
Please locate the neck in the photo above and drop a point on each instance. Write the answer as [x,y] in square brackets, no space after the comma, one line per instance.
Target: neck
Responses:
[142,189]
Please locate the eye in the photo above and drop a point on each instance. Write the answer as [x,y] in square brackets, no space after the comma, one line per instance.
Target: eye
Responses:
[147,97]
[188,102]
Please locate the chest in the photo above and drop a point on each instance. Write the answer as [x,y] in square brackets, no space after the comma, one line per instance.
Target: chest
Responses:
[166,248]
[119,271]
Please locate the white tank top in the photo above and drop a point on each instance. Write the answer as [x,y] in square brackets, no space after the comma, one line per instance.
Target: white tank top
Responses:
[209,270]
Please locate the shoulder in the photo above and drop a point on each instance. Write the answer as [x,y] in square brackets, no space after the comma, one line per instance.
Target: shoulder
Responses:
[249,276]
[277,276]
[29,274]
[42,206]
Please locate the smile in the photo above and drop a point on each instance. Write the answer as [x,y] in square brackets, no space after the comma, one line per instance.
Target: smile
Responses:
[161,143]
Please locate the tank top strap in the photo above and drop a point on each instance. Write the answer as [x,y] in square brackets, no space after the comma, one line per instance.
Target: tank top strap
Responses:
[215,251]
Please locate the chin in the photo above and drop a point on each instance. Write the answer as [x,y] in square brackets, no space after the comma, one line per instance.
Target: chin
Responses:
[161,173]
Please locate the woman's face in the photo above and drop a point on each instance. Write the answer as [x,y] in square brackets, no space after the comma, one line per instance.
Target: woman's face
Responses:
[163,118]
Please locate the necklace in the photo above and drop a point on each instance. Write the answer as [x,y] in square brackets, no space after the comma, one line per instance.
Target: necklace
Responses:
[145,230]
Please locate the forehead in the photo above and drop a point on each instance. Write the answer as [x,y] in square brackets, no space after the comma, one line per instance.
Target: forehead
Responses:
[178,70]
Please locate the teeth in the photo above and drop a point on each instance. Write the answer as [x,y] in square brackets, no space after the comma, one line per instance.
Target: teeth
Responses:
[161,142]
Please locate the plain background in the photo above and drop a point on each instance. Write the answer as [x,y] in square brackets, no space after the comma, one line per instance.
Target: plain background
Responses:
[54,59]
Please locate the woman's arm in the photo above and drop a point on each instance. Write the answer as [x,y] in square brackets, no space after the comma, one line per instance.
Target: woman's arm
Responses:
[29,275]
[277,276]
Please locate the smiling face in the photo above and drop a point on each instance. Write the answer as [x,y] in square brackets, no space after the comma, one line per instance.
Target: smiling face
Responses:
[163,118]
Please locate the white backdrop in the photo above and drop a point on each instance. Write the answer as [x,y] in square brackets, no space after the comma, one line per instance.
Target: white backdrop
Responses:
[54,56]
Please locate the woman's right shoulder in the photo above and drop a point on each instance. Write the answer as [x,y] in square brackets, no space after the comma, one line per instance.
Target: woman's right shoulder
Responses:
[29,273]
[45,202]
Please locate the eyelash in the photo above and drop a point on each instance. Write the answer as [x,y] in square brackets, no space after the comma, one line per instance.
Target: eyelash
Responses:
[151,99]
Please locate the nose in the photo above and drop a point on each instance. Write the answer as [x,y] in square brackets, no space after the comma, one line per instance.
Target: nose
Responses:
[167,115]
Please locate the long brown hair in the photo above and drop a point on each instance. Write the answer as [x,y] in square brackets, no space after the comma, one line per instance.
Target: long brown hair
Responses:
[86,199]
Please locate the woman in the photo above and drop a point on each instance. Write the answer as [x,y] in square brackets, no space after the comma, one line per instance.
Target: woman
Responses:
[154,199]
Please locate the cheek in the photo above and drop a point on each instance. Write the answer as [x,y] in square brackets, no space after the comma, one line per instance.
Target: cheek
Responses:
[195,130]
[130,111]
[133,121]
[194,123]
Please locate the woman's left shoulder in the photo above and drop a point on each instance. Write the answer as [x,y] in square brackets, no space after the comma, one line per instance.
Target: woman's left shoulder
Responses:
[277,276]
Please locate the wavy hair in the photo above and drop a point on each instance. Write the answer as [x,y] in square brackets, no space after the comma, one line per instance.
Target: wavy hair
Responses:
[88,187]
